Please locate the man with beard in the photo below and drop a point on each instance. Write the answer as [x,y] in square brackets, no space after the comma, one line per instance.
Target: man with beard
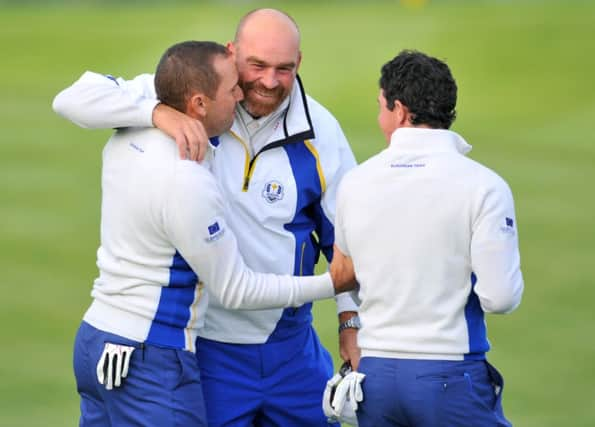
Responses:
[160,250]
[279,167]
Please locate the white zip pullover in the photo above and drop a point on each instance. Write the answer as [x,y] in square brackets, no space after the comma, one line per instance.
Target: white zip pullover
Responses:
[164,237]
[434,242]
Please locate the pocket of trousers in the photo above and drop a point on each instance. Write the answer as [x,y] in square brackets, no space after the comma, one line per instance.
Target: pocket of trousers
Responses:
[472,383]
[189,371]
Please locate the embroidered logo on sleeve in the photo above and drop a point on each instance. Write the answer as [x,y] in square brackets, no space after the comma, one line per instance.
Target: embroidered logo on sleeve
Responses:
[508,227]
[273,191]
[136,147]
[214,228]
[215,232]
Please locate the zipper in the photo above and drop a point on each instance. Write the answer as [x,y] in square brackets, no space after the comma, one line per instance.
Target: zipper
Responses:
[295,310]
[248,173]
[249,162]
[302,259]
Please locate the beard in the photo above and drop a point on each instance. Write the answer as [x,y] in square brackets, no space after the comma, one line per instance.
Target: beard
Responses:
[260,101]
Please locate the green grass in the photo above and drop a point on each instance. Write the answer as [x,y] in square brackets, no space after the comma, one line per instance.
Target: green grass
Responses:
[526,103]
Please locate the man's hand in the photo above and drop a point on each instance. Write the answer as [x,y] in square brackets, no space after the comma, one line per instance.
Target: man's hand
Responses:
[348,349]
[189,133]
[342,272]
[113,364]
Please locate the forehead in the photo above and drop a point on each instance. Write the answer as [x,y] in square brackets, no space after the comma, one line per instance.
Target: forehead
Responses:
[270,44]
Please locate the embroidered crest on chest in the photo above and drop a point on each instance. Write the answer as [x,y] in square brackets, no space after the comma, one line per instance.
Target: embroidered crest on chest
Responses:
[273,191]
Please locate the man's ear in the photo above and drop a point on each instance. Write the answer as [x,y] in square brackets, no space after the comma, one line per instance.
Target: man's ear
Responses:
[196,105]
[403,114]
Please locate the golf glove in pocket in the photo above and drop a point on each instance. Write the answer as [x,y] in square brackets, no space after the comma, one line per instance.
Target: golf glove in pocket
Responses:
[113,365]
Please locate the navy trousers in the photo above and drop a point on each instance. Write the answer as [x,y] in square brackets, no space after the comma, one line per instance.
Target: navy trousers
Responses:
[162,389]
[430,393]
[276,384]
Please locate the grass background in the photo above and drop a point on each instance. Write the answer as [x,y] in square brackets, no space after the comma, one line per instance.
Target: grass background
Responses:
[526,103]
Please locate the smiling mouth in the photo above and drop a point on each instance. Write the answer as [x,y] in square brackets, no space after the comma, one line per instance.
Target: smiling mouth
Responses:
[265,95]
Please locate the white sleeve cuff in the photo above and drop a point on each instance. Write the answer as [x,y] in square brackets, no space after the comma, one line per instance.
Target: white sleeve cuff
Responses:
[345,303]
[316,287]
[145,112]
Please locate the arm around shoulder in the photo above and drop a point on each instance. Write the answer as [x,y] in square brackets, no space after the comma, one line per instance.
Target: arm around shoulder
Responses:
[197,228]
[97,101]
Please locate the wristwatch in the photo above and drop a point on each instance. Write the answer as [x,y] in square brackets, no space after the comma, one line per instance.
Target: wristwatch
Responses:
[351,323]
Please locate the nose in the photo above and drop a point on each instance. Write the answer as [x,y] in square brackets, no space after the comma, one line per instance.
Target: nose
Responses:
[269,79]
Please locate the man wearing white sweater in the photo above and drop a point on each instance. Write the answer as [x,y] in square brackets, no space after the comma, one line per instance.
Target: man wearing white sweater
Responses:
[433,239]
[165,247]
[279,167]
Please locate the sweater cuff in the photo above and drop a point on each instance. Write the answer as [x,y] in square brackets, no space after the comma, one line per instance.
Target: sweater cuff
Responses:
[145,112]
[345,303]
[316,287]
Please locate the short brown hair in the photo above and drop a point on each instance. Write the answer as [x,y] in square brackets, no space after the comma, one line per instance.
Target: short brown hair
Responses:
[185,68]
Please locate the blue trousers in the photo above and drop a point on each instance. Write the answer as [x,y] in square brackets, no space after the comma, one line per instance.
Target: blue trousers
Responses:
[430,393]
[278,384]
[162,389]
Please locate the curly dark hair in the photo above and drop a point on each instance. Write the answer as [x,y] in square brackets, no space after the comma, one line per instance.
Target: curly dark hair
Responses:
[424,85]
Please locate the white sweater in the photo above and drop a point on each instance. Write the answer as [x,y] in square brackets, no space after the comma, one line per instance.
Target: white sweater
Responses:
[164,237]
[279,176]
[433,238]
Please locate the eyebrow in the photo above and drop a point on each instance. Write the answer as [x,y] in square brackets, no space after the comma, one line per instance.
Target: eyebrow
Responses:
[256,60]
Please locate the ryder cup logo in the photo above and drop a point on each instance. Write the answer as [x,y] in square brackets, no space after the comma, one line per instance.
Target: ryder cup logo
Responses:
[273,191]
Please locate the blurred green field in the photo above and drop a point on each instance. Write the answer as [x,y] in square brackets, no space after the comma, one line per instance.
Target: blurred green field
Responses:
[526,103]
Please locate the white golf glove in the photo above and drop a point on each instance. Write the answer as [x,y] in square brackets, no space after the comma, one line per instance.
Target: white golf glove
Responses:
[341,395]
[113,364]
[348,394]
[328,395]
